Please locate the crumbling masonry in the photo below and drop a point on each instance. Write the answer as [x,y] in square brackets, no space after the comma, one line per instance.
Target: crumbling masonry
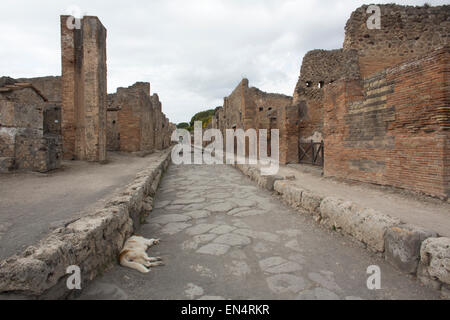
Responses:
[247,108]
[45,119]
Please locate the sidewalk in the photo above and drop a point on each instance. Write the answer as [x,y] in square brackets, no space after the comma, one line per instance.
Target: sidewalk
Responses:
[413,209]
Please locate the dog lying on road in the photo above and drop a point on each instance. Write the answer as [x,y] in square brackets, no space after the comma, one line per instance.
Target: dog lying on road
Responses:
[134,255]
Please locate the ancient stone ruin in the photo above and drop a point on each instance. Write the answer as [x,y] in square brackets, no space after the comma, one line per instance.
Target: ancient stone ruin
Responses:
[46,119]
[135,122]
[29,128]
[377,109]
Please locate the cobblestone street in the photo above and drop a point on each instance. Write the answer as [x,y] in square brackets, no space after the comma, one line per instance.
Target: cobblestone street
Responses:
[222,237]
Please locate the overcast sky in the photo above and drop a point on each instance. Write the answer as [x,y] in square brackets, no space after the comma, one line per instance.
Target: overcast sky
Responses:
[193,53]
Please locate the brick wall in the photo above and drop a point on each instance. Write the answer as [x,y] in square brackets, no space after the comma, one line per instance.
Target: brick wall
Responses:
[320,68]
[406,32]
[250,108]
[288,121]
[112,130]
[134,104]
[157,122]
[392,128]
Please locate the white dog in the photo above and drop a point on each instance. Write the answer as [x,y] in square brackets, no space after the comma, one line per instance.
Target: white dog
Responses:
[134,255]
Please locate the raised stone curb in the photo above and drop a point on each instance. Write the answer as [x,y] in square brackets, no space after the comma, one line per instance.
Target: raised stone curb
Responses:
[411,249]
[92,242]
[253,173]
[434,266]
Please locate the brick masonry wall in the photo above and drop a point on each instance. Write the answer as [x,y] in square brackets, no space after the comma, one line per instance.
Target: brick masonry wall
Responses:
[233,106]
[140,125]
[406,32]
[157,122]
[319,68]
[112,130]
[392,128]
[131,103]
[248,107]
[288,120]
[49,86]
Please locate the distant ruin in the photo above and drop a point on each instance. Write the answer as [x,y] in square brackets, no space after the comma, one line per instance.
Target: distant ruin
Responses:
[83,90]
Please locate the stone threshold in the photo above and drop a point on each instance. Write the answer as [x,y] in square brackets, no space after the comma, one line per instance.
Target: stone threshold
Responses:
[411,249]
[92,242]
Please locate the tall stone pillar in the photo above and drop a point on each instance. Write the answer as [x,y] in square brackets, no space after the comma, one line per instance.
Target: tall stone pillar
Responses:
[83,91]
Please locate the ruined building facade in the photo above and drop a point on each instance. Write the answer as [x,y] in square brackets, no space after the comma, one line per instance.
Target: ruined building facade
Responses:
[29,128]
[391,126]
[379,106]
[46,119]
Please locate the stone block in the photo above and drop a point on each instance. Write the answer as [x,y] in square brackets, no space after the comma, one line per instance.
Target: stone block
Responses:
[311,202]
[372,228]
[435,260]
[267,182]
[289,192]
[402,246]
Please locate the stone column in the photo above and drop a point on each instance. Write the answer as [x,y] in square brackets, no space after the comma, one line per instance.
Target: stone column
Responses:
[84,92]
